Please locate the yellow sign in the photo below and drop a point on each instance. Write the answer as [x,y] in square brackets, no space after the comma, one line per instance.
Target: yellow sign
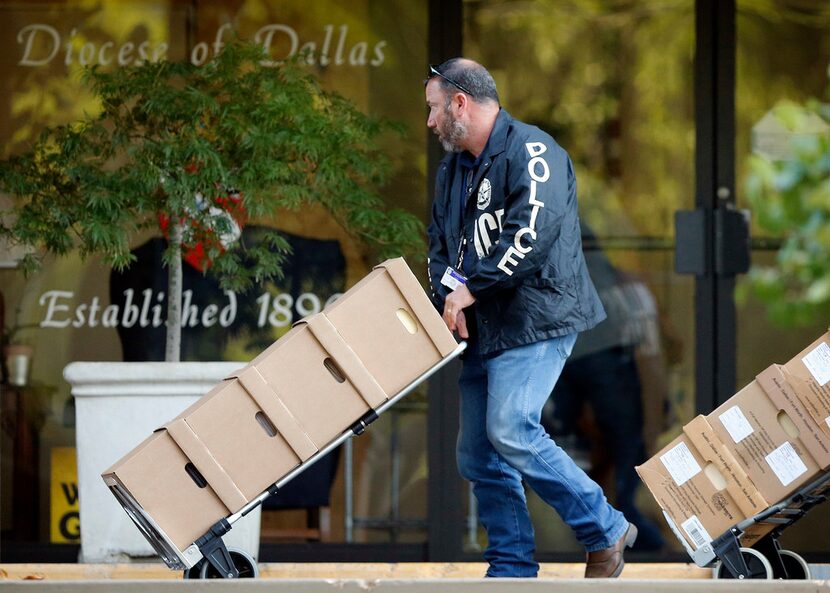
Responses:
[65,523]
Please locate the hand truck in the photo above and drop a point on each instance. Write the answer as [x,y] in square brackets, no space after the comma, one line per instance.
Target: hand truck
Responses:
[764,559]
[208,557]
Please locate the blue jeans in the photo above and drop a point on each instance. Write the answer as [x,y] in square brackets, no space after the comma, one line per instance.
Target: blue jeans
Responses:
[501,442]
[608,382]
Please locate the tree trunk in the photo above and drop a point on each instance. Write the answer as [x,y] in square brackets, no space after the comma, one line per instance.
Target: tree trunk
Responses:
[173,344]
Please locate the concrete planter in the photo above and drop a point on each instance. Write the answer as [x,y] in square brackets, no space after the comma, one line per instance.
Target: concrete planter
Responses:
[118,405]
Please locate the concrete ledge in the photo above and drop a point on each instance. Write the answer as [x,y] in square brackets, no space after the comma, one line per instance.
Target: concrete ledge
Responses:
[404,571]
[419,586]
[415,577]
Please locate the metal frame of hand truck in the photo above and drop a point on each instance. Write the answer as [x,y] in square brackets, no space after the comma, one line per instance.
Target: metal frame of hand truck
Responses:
[726,548]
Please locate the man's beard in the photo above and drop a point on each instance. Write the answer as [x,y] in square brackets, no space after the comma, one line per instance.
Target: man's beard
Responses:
[451,133]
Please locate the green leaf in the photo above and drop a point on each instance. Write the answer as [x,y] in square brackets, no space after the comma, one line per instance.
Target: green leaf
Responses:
[168,131]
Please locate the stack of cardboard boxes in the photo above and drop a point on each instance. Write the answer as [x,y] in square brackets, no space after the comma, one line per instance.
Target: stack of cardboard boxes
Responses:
[299,395]
[763,444]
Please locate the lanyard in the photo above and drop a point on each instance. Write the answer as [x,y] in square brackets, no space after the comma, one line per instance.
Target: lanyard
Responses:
[467,187]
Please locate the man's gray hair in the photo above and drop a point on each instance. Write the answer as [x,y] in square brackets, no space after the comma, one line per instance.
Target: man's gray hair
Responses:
[472,76]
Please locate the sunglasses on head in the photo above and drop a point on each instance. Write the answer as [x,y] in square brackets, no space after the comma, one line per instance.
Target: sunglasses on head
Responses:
[433,71]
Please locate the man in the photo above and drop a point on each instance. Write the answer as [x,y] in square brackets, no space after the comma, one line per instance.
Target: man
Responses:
[507,270]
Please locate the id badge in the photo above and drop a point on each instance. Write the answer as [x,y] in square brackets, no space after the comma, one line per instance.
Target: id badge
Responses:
[452,279]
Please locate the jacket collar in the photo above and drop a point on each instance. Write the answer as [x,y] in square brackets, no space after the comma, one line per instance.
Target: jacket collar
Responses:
[495,146]
[498,136]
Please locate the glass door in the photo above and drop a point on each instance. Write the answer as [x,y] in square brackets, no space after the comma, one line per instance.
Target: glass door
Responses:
[783,53]
[613,83]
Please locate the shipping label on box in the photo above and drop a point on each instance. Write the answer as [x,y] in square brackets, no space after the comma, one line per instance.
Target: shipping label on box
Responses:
[765,441]
[809,374]
[699,485]
[719,457]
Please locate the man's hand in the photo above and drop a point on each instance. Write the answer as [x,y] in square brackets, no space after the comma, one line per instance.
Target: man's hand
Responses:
[453,314]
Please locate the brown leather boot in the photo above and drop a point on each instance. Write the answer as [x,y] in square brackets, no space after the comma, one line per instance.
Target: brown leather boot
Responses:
[608,563]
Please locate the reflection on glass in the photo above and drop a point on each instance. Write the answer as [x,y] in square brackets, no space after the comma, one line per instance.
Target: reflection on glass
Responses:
[601,379]
[369,51]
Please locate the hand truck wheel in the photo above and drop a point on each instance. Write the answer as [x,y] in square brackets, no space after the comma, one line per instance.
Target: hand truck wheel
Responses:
[203,569]
[758,565]
[796,567]
[193,571]
[246,566]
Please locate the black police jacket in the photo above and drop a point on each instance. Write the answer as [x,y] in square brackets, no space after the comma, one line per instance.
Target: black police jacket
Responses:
[528,272]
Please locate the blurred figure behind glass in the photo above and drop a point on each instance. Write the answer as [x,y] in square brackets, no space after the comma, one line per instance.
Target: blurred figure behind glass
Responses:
[602,373]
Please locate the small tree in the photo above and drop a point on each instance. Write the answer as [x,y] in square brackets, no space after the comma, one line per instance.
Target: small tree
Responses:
[194,148]
[791,199]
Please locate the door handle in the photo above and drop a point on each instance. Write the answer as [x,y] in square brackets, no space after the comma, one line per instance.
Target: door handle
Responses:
[729,244]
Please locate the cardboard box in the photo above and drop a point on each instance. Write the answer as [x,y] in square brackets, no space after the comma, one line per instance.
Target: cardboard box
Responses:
[763,437]
[701,486]
[364,348]
[407,335]
[317,378]
[249,434]
[296,397]
[251,430]
[215,457]
[809,375]
[155,474]
[779,390]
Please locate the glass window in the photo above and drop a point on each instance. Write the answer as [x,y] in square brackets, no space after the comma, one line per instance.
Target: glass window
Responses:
[373,53]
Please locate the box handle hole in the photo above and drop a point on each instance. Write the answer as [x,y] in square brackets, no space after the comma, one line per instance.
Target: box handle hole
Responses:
[788,425]
[195,475]
[266,424]
[335,371]
[406,319]
[714,475]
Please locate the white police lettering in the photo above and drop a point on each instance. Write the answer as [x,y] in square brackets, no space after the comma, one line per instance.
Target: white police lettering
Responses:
[517,240]
[539,172]
[485,223]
